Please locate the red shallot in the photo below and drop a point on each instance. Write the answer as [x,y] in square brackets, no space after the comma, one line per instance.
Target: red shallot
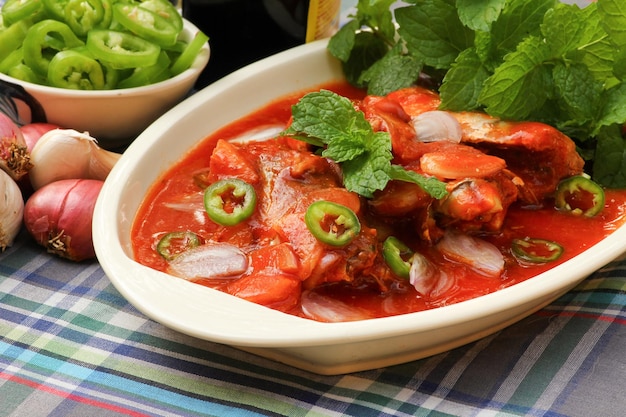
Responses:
[68,154]
[11,210]
[14,156]
[59,217]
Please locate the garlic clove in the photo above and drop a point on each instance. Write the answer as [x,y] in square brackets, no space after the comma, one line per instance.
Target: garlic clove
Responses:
[11,210]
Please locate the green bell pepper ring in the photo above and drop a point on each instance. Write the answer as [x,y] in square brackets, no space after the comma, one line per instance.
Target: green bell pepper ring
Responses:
[189,54]
[174,243]
[73,70]
[16,10]
[83,15]
[332,223]
[536,250]
[165,9]
[230,201]
[145,24]
[45,39]
[579,195]
[121,50]
[397,255]
[12,38]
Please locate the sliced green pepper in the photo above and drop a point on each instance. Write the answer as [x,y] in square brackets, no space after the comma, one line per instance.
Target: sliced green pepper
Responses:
[174,243]
[56,8]
[16,10]
[83,15]
[332,223]
[580,195]
[148,75]
[23,72]
[189,54]
[166,10]
[121,50]
[12,38]
[146,24]
[73,70]
[230,201]
[536,250]
[397,255]
[43,40]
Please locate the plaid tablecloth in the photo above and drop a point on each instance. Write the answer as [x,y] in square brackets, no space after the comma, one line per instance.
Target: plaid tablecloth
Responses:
[70,345]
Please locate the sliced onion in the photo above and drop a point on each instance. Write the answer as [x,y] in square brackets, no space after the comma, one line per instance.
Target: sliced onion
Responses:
[478,254]
[318,307]
[436,126]
[210,260]
[259,134]
[428,280]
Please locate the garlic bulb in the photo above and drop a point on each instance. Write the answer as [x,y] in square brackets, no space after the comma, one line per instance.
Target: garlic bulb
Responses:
[11,210]
[68,154]
[436,126]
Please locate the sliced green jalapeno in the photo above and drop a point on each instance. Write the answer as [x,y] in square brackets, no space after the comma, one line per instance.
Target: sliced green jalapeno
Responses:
[121,50]
[73,70]
[174,243]
[55,8]
[398,256]
[44,37]
[16,10]
[536,250]
[12,38]
[166,10]
[145,23]
[148,75]
[83,15]
[579,195]
[189,54]
[332,223]
[230,201]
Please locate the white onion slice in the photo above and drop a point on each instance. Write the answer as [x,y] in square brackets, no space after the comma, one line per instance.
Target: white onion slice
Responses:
[437,126]
[209,261]
[320,308]
[478,254]
[259,134]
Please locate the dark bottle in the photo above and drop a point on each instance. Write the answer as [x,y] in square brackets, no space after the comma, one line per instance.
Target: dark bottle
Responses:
[243,31]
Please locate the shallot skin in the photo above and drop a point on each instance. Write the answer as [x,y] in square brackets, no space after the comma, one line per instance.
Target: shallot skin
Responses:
[59,217]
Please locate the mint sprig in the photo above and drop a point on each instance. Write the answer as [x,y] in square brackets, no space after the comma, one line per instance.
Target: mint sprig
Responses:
[537,60]
[330,121]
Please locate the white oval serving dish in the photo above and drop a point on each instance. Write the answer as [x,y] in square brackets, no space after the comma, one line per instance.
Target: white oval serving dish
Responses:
[325,348]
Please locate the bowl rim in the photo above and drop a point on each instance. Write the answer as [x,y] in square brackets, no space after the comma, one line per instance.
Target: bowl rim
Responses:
[125,273]
[198,65]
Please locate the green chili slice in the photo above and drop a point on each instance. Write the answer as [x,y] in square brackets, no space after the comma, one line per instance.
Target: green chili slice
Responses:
[189,54]
[43,40]
[536,250]
[174,243]
[56,8]
[165,9]
[11,38]
[230,201]
[84,15]
[332,223]
[16,10]
[121,50]
[73,70]
[580,195]
[145,23]
[397,255]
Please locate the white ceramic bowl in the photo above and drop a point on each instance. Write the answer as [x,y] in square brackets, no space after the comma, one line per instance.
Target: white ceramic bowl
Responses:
[115,117]
[326,348]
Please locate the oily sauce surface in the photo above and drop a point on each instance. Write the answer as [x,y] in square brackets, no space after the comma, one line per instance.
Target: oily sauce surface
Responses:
[177,187]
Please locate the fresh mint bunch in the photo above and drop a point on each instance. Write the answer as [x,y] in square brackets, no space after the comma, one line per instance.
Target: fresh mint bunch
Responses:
[330,121]
[515,59]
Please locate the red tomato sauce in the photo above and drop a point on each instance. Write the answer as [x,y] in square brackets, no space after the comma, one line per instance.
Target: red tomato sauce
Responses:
[155,218]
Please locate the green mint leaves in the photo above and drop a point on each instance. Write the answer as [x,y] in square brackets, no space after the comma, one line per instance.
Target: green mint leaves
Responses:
[330,121]
[537,60]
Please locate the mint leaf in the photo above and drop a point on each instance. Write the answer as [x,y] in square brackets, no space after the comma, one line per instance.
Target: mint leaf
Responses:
[463,83]
[341,45]
[613,19]
[479,14]
[393,72]
[578,91]
[564,29]
[431,185]
[433,32]
[367,50]
[609,165]
[520,83]
[613,110]
[331,121]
